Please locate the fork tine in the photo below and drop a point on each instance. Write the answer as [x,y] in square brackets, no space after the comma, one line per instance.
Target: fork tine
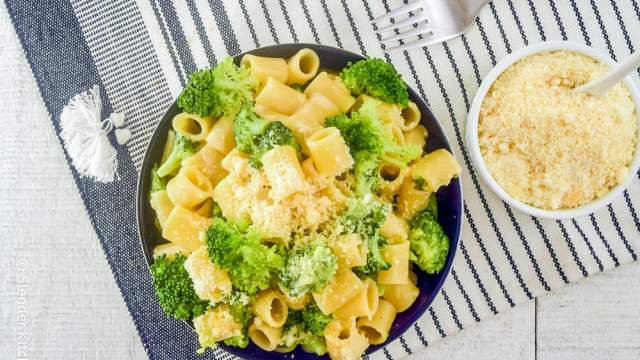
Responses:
[408,21]
[399,11]
[428,40]
[420,30]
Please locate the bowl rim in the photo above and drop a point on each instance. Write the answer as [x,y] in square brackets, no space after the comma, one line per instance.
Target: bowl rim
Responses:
[458,225]
[474,147]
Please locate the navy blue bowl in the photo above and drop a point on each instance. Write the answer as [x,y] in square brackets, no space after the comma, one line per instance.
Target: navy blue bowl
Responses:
[449,201]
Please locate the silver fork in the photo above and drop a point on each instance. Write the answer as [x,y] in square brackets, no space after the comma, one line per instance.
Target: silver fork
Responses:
[428,22]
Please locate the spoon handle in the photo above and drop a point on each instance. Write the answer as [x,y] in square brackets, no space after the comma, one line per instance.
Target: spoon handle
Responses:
[603,84]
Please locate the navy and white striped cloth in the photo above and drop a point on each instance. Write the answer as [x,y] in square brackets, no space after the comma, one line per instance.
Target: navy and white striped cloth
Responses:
[142,51]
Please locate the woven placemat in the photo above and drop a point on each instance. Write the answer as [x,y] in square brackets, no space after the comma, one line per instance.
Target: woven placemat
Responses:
[141,52]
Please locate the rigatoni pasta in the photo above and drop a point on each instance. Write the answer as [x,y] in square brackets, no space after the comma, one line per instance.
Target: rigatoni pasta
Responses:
[333,89]
[402,296]
[409,117]
[263,68]
[302,66]
[363,304]
[184,227]
[376,328]
[220,137]
[417,136]
[342,288]
[271,307]
[294,203]
[344,340]
[189,187]
[398,256]
[265,336]
[192,126]
[279,97]
[329,152]
[162,205]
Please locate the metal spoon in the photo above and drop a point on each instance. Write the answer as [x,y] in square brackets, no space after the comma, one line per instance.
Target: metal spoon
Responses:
[603,84]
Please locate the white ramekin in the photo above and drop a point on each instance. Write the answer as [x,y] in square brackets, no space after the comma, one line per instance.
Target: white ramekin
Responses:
[474,147]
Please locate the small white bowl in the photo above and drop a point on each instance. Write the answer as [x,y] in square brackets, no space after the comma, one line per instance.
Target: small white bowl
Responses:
[474,147]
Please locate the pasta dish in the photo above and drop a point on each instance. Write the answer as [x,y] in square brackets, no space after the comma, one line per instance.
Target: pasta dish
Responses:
[297,205]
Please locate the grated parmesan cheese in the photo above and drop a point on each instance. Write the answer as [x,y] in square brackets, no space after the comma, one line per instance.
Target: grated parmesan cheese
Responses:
[548,146]
[278,200]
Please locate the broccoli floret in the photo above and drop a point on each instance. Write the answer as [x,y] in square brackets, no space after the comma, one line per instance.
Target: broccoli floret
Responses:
[157,183]
[182,148]
[237,248]
[174,288]
[371,143]
[310,320]
[364,216]
[314,321]
[247,128]
[294,317]
[367,176]
[381,141]
[377,78]
[306,327]
[314,344]
[240,341]
[275,134]
[242,315]
[217,91]
[256,136]
[429,244]
[308,268]
[238,302]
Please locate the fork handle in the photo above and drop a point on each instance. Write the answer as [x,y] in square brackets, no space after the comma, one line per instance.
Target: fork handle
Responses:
[474,6]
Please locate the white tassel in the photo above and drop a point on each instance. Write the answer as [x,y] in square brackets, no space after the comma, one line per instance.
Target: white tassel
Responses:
[117,119]
[122,135]
[84,135]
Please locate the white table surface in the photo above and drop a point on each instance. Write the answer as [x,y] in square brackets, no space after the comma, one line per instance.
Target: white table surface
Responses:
[58,299]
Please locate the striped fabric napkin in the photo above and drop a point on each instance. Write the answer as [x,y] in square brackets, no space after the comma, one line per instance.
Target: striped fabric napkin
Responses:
[140,52]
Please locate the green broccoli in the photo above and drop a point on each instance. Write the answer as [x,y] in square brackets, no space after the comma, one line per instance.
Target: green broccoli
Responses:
[309,319]
[364,216]
[256,136]
[365,170]
[314,344]
[429,244]
[275,134]
[157,183]
[182,148]
[236,247]
[174,288]
[308,268]
[294,318]
[371,143]
[377,78]
[383,143]
[217,91]
[314,321]
[247,128]
[306,327]
[240,341]
[242,315]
